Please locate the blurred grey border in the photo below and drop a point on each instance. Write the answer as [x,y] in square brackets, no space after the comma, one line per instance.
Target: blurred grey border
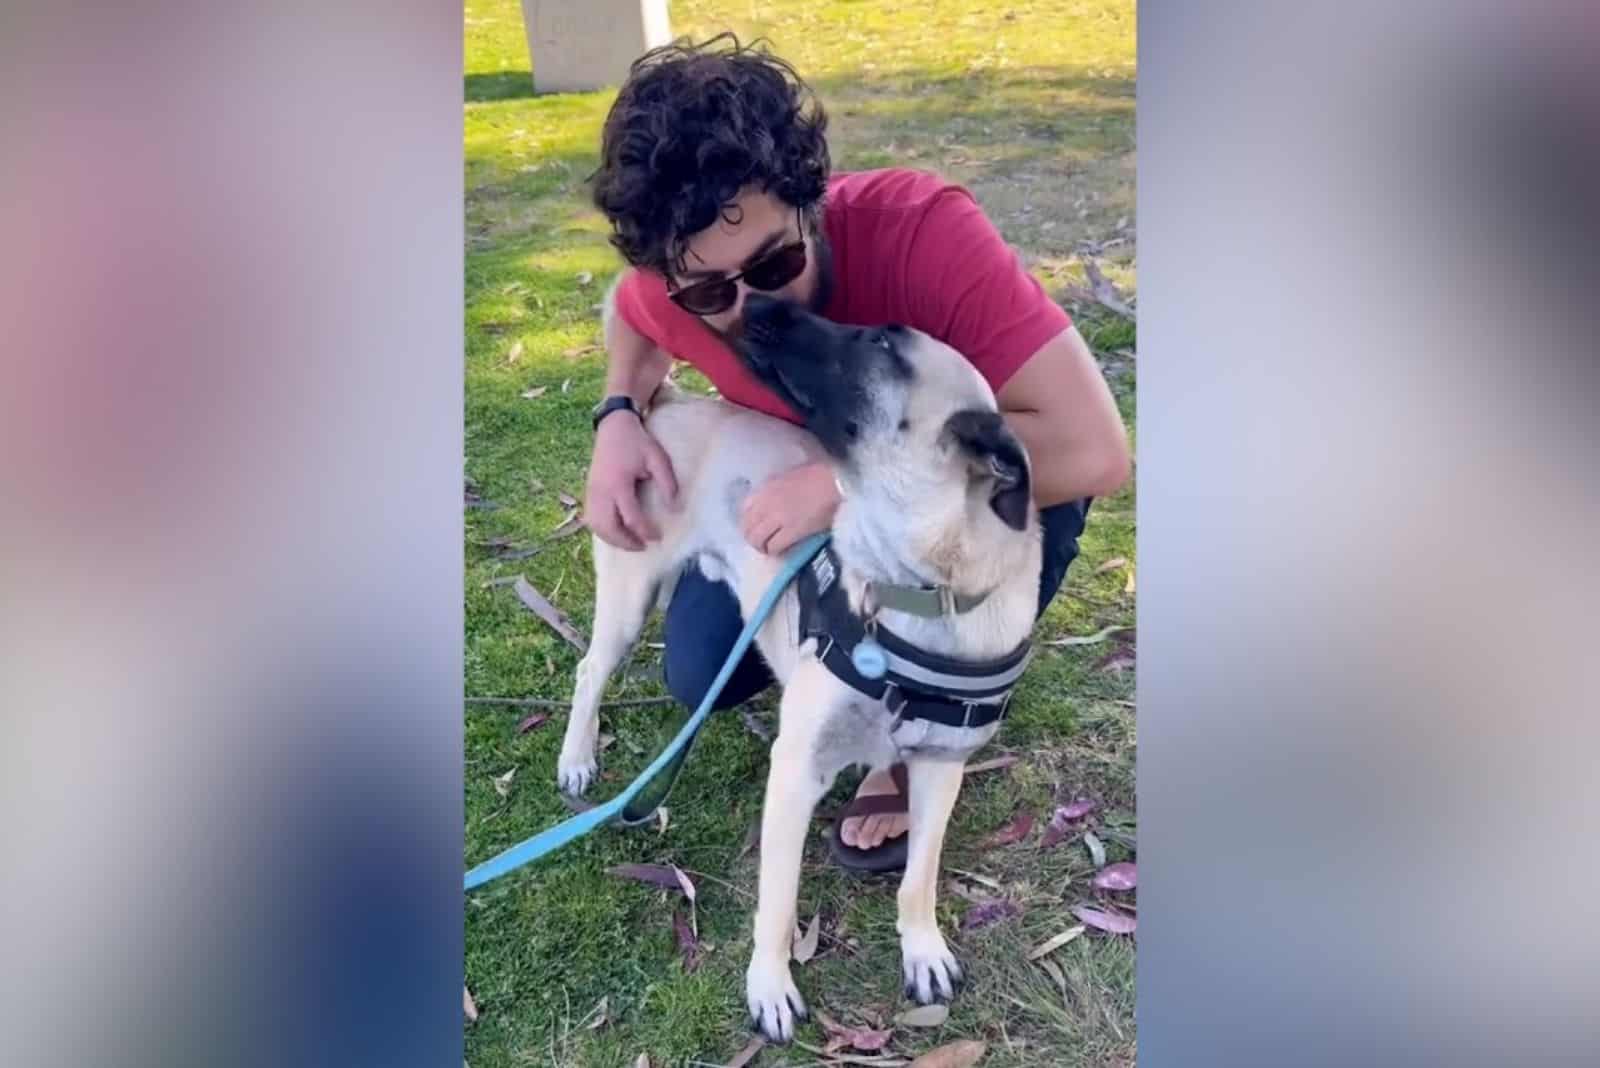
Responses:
[230,554]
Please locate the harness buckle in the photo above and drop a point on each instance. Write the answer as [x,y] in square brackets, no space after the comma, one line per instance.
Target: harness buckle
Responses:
[966,713]
[947,600]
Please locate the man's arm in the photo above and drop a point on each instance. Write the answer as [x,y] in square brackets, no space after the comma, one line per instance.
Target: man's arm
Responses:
[1059,405]
[635,365]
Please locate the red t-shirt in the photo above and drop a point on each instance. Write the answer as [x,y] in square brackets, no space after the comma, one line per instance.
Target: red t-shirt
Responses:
[908,248]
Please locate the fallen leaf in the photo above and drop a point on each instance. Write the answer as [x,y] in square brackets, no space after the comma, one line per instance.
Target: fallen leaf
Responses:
[994,765]
[924,1016]
[643,1061]
[975,877]
[1050,945]
[663,817]
[1059,821]
[662,875]
[515,354]
[535,393]
[963,1054]
[986,912]
[1055,973]
[550,614]
[854,1058]
[535,720]
[469,1006]
[684,884]
[752,838]
[1111,565]
[601,1015]
[1089,639]
[604,742]
[585,278]
[1013,832]
[688,941]
[1078,809]
[1105,920]
[567,500]
[566,384]
[865,1039]
[502,783]
[1117,662]
[748,1054]
[1127,587]
[1097,851]
[569,526]
[580,350]
[1119,876]
[803,948]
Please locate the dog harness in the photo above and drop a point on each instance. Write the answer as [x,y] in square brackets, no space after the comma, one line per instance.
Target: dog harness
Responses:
[913,684]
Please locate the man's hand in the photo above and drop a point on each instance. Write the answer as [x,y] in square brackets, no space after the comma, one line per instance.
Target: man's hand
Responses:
[789,507]
[624,455]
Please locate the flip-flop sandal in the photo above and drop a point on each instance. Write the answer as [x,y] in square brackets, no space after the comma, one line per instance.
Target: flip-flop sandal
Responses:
[887,856]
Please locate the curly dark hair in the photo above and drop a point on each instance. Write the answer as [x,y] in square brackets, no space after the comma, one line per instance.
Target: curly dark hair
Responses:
[691,127]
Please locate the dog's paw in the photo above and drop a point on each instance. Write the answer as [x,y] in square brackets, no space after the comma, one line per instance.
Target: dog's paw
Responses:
[775,1003]
[931,970]
[575,774]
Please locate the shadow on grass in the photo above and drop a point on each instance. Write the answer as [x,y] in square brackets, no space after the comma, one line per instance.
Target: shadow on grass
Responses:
[503,85]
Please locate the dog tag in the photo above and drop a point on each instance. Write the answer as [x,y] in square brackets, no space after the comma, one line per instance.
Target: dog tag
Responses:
[869,659]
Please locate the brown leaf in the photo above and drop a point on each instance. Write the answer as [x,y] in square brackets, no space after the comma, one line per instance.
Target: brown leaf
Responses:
[752,838]
[469,1006]
[1107,920]
[1061,820]
[804,947]
[1102,290]
[662,875]
[601,1015]
[550,614]
[580,350]
[962,1054]
[515,354]
[865,1039]
[569,526]
[1050,945]
[688,942]
[748,1054]
[1120,876]
[567,500]
[502,783]
[993,765]
[987,912]
[663,818]
[924,1016]
[536,720]
[1117,661]
[1127,587]
[1111,565]
[535,393]
[1013,832]
[684,884]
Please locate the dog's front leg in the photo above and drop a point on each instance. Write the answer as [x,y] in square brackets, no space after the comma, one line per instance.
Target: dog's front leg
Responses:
[931,970]
[794,786]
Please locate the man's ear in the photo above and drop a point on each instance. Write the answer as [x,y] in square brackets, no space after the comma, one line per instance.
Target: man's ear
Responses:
[994,453]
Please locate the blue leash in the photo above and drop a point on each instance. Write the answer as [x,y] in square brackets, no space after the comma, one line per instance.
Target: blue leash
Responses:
[572,829]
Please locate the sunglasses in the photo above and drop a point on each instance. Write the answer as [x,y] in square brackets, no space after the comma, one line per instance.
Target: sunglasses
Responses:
[773,271]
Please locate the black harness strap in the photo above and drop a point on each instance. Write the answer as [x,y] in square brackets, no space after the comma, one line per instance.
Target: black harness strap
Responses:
[918,685]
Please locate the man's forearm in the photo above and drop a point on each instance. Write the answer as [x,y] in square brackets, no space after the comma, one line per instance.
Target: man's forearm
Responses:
[637,372]
[1063,470]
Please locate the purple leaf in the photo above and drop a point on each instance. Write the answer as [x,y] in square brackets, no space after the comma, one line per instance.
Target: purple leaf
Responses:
[987,912]
[688,942]
[1104,920]
[1123,876]
[535,720]
[1076,810]
[1063,816]
[865,1039]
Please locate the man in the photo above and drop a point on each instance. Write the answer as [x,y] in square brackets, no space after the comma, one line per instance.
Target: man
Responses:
[716,179]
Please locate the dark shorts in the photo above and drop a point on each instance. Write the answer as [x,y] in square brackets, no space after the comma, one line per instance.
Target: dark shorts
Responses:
[703,618]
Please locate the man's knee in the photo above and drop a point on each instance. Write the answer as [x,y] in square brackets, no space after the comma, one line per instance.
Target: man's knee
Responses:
[1062,523]
[703,622]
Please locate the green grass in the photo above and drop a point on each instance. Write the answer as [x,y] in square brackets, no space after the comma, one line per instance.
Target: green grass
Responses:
[1030,106]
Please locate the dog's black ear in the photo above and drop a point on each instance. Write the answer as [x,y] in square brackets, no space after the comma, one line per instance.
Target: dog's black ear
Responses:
[994,452]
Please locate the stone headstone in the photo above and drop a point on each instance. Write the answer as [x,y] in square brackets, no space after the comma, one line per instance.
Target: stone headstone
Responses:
[579,45]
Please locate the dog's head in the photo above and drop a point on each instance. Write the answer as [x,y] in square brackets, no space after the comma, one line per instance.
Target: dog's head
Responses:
[900,413]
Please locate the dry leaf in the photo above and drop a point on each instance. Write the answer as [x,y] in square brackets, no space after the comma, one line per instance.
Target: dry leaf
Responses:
[662,875]
[604,742]
[535,393]
[643,1061]
[469,1006]
[1077,809]
[924,1016]
[865,1039]
[1118,661]
[585,278]
[1127,587]
[569,526]
[535,720]
[994,765]
[1013,832]
[987,912]
[580,350]
[963,1054]
[663,817]
[566,384]
[601,1015]
[804,947]
[567,500]
[550,614]
[688,941]
[1056,973]
[748,1054]
[975,877]
[1105,919]
[515,354]
[1050,945]
[502,783]
[853,1058]
[1120,876]
[684,884]
[1097,851]
[752,838]
[1063,816]
[1089,639]
[1111,565]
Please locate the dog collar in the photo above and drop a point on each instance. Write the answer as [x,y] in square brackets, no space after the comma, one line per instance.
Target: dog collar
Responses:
[915,684]
[930,602]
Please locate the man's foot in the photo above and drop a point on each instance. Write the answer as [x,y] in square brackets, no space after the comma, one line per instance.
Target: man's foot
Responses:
[869,832]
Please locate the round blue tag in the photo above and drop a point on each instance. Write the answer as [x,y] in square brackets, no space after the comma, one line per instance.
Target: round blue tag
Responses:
[870,659]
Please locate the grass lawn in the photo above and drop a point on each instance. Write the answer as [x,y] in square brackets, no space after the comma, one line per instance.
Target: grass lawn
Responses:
[1030,106]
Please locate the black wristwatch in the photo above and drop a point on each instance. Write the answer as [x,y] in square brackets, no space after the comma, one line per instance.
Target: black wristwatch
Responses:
[616,403]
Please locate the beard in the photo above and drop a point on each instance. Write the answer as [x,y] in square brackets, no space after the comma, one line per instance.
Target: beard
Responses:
[821,254]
